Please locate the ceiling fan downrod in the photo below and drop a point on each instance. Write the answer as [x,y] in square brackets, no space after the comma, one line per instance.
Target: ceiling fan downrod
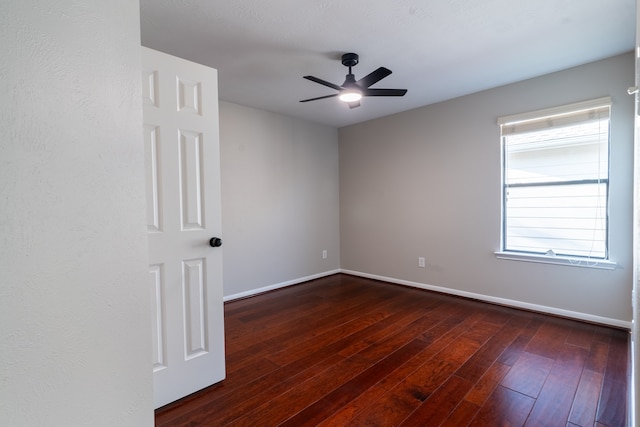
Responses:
[350,60]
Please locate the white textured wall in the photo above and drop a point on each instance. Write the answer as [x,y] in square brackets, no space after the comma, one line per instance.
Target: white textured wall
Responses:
[635,331]
[74,301]
[427,183]
[279,198]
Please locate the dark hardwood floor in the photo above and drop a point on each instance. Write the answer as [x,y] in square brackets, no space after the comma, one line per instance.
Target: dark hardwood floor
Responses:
[349,351]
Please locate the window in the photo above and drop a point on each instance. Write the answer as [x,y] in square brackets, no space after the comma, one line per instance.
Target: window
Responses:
[555,175]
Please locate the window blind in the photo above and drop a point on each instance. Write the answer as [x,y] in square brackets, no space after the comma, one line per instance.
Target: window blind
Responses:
[579,111]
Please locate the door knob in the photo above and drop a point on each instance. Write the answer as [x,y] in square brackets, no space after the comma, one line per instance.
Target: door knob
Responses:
[215,242]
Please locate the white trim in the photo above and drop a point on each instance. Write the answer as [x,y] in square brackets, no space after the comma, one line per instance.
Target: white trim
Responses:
[558,260]
[253,292]
[501,301]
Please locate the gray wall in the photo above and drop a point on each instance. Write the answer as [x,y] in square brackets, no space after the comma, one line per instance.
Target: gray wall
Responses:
[279,199]
[426,183]
[75,336]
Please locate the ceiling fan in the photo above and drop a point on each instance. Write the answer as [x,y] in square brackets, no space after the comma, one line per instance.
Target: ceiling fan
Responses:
[351,90]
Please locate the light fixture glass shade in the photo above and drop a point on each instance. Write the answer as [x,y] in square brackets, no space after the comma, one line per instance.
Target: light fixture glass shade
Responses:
[350,95]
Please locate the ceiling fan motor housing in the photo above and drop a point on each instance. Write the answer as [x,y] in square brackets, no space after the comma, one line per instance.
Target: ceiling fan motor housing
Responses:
[350,81]
[350,59]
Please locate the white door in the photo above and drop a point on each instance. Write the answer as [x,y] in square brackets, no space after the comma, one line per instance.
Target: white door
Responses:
[180,110]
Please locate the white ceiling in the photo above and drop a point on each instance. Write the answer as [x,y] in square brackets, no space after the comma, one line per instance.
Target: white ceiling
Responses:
[437,49]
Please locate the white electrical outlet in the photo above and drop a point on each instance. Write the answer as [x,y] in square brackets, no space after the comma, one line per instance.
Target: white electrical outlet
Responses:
[324,254]
[421,262]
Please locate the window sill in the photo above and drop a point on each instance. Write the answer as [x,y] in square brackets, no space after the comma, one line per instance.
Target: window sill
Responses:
[558,260]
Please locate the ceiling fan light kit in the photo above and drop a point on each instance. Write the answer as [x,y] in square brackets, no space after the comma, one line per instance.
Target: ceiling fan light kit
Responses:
[351,91]
[350,95]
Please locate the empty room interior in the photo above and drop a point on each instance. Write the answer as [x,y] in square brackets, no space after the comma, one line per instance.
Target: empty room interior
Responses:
[370,261]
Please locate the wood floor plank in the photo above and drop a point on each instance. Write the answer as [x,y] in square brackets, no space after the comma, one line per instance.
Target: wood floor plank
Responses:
[325,317]
[528,374]
[396,405]
[460,350]
[279,408]
[602,334]
[504,407]
[317,300]
[480,362]
[377,318]
[548,340]
[583,411]
[612,405]
[225,408]
[437,407]
[612,408]
[581,335]
[441,335]
[309,359]
[533,326]
[511,354]
[618,359]
[462,415]
[285,348]
[487,383]
[348,391]
[598,355]
[345,350]
[345,415]
[384,340]
[556,397]
[307,393]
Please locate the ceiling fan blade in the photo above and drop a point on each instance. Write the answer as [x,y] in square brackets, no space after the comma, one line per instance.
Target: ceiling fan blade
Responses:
[354,104]
[373,77]
[320,97]
[384,92]
[323,82]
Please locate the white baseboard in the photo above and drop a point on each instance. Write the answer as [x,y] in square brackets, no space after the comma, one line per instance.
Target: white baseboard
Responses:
[502,301]
[279,285]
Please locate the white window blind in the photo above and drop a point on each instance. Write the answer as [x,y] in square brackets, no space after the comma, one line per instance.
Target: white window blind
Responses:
[556,180]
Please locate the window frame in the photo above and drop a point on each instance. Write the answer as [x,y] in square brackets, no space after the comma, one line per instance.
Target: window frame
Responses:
[539,115]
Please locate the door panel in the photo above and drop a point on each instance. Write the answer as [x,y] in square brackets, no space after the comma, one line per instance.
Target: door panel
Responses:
[191,180]
[158,333]
[180,109]
[152,178]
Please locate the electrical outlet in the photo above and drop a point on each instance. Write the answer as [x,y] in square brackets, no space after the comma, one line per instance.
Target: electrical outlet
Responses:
[421,262]
[324,254]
